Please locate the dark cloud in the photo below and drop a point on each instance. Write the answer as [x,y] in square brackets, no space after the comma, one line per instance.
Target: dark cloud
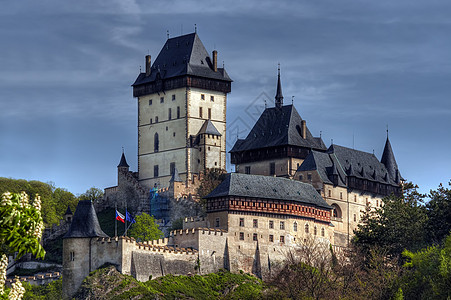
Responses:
[353,67]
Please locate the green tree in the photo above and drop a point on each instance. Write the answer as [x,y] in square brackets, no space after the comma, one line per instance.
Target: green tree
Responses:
[398,225]
[94,194]
[20,231]
[439,214]
[145,228]
[210,179]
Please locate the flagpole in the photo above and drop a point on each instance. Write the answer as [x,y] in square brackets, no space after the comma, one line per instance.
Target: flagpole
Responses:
[115,220]
[125,223]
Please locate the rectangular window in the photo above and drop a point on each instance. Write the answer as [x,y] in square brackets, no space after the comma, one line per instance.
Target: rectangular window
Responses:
[254,237]
[217,222]
[300,177]
[355,198]
[170,113]
[202,97]
[150,102]
[212,98]
[241,222]
[247,170]
[150,120]
[155,171]
[330,193]
[156,119]
[282,239]
[172,167]
[271,224]
[242,236]
[309,176]
[162,100]
[200,112]
[271,238]
[355,218]
[272,169]
[341,196]
[173,97]
[209,113]
[72,256]
[255,223]
[178,112]
[282,225]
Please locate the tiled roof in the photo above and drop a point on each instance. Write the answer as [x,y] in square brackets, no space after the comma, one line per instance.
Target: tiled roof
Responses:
[175,176]
[388,159]
[209,128]
[123,162]
[257,186]
[85,223]
[277,127]
[183,55]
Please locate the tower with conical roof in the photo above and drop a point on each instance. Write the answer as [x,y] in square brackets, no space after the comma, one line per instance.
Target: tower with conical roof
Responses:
[389,161]
[182,90]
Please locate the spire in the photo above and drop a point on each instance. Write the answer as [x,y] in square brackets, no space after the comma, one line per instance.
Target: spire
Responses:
[175,176]
[388,159]
[68,211]
[123,162]
[279,96]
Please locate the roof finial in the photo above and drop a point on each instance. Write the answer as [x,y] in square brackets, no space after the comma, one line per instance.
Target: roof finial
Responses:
[167,34]
[387,131]
[195,28]
[265,103]
[279,96]
[331,141]
[139,69]
[320,133]
[292,100]
[122,149]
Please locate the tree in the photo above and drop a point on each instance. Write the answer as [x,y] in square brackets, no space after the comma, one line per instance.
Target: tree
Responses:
[439,214]
[396,226]
[145,228]
[94,194]
[210,179]
[21,227]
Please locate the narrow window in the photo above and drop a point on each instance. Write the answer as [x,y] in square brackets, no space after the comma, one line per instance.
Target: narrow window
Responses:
[282,225]
[172,167]
[355,218]
[254,237]
[306,227]
[155,171]
[314,230]
[355,198]
[212,98]
[217,222]
[209,113]
[156,143]
[72,256]
[272,168]
[300,177]
[341,195]
[202,96]
[150,120]
[162,100]
[271,238]
[255,223]
[282,239]
[271,224]
[330,193]
[322,232]
[150,102]
[242,236]
[295,226]
[247,170]
[200,112]
[173,97]
[241,222]
[156,119]
[169,113]
[309,176]
[178,112]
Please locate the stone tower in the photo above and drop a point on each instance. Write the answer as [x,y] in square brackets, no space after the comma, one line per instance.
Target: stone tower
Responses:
[182,100]
[78,256]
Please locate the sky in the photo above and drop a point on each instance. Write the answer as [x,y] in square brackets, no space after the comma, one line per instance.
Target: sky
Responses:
[353,67]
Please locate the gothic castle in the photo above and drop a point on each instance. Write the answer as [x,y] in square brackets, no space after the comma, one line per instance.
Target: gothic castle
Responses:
[288,186]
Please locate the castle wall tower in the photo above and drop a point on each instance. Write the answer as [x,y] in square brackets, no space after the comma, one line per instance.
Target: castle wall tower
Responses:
[176,96]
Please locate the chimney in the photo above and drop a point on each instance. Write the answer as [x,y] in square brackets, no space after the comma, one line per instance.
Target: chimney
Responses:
[148,65]
[215,60]
[304,129]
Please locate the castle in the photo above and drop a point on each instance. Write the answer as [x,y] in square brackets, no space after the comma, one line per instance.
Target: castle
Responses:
[288,186]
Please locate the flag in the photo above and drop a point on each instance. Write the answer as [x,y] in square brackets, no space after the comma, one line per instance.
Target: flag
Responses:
[129,217]
[120,217]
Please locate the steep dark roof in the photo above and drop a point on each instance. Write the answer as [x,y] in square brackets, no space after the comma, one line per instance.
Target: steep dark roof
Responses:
[346,162]
[388,159]
[123,162]
[257,186]
[209,128]
[68,211]
[85,223]
[183,55]
[175,176]
[277,127]
[279,96]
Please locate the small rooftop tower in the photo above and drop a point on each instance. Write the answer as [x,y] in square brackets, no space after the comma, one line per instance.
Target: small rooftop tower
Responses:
[279,96]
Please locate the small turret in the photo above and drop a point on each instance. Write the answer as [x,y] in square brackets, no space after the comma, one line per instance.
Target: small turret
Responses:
[279,96]
[122,170]
[389,161]
[68,215]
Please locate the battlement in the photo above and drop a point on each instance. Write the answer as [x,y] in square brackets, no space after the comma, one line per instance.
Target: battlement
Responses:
[209,231]
[36,279]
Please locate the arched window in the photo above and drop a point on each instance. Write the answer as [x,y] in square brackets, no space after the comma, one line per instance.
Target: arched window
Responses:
[336,211]
[295,226]
[156,143]
[306,228]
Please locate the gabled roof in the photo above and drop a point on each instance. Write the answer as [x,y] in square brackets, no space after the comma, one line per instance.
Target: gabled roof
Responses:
[208,128]
[68,211]
[257,186]
[388,159]
[347,162]
[182,55]
[278,126]
[85,223]
[123,162]
[175,176]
